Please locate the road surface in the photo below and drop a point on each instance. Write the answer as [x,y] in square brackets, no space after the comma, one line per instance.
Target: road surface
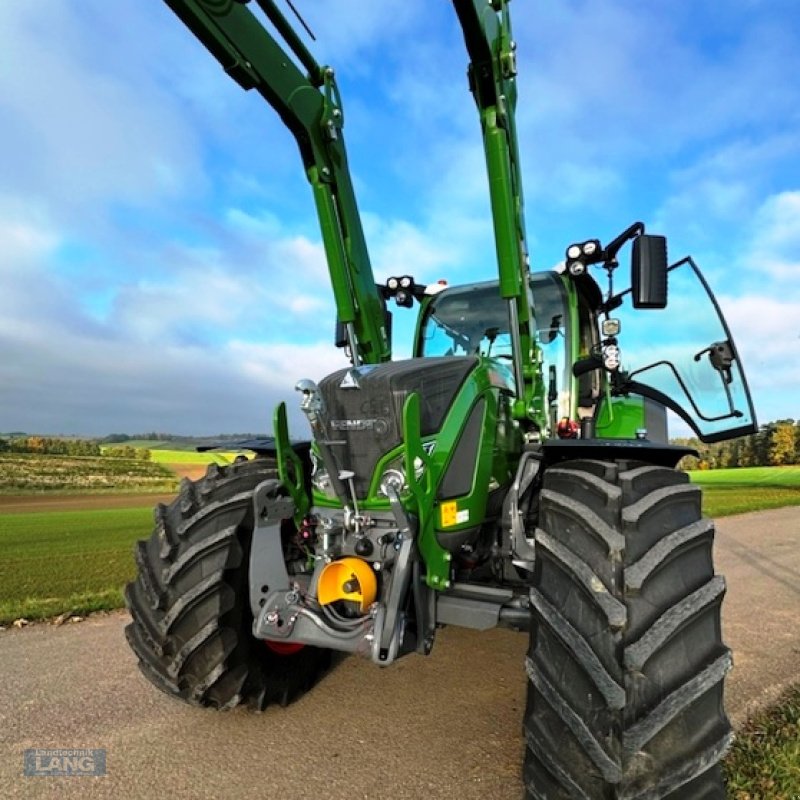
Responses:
[442,727]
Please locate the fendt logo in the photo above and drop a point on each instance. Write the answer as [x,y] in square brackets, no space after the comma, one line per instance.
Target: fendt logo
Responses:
[379,426]
[65,762]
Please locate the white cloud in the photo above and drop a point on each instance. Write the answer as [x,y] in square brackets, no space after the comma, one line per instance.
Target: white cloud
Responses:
[25,231]
[166,358]
[86,135]
[142,176]
[767,334]
[403,249]
[284,365]
[765,318]
[345,32]
[775,248]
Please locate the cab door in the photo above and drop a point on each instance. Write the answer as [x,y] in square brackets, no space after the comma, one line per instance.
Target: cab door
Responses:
[684,357]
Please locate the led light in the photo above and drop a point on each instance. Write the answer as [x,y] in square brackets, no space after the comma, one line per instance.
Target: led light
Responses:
[393,283]
[573,251]
[611,327]
[405,282]
[611,357]
[577,268]
[590,248]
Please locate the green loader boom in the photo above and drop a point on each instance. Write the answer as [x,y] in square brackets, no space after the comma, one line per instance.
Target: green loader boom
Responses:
[310,106]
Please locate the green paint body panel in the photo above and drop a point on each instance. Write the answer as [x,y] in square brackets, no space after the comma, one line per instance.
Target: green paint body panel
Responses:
[493,465]
[498,448]
[290,468]
[620,418]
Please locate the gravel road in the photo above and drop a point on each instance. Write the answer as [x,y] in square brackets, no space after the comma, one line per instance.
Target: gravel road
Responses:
[442,727]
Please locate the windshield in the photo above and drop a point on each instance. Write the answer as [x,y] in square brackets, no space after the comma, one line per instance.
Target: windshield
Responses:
[473,320]
[684,357]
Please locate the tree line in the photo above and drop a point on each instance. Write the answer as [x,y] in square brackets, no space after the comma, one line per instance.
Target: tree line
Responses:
[52,446]
[777,444]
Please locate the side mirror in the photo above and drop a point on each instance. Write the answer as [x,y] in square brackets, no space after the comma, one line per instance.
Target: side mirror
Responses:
[649,271]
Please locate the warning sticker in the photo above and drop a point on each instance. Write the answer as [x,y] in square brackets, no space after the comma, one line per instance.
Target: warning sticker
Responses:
[449,514]
[452,516]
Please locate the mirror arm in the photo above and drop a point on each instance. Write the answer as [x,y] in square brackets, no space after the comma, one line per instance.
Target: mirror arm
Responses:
[614,246]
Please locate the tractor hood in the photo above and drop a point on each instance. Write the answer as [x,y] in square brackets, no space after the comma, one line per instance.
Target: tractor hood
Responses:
[364,405]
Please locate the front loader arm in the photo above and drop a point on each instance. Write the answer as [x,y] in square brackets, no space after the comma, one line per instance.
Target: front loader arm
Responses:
[310,107]
[492,71]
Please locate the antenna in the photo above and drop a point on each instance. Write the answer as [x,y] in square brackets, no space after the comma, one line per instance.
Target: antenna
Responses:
[301,20]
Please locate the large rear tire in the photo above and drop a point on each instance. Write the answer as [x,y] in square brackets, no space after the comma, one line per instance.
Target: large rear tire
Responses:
[626,662]
[191,628]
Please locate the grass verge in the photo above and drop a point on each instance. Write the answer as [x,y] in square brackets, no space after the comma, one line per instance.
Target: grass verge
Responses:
[764,761]
[67,560]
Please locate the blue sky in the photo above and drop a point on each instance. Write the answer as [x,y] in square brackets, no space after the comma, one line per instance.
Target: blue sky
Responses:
[161,266]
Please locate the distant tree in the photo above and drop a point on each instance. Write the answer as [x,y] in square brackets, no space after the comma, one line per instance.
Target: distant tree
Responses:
[122,451]
[747,452]
[731,453]
[37,444]
[18,444]
[688,463]
[763,445]
[114,438]
[782,444]
[83,447]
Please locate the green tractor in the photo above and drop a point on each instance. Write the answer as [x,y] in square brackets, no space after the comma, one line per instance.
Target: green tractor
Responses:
[515,472]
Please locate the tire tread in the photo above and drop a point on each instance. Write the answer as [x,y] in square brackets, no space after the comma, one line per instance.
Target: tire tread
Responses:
[623,577]
[191,620]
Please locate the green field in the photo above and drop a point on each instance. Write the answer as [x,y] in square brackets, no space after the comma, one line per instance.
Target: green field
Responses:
[735,491]
[67,560]
[79,560]
[191,457]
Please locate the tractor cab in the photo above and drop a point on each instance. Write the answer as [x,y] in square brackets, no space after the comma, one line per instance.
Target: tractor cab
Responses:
[632,361]
[472,320]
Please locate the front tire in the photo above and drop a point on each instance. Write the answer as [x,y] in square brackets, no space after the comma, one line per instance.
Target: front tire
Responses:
[626,662]
[192,623]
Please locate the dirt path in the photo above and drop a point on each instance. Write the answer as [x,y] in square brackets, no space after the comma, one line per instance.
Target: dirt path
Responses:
[18,504]
[443,727]
[759,555]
